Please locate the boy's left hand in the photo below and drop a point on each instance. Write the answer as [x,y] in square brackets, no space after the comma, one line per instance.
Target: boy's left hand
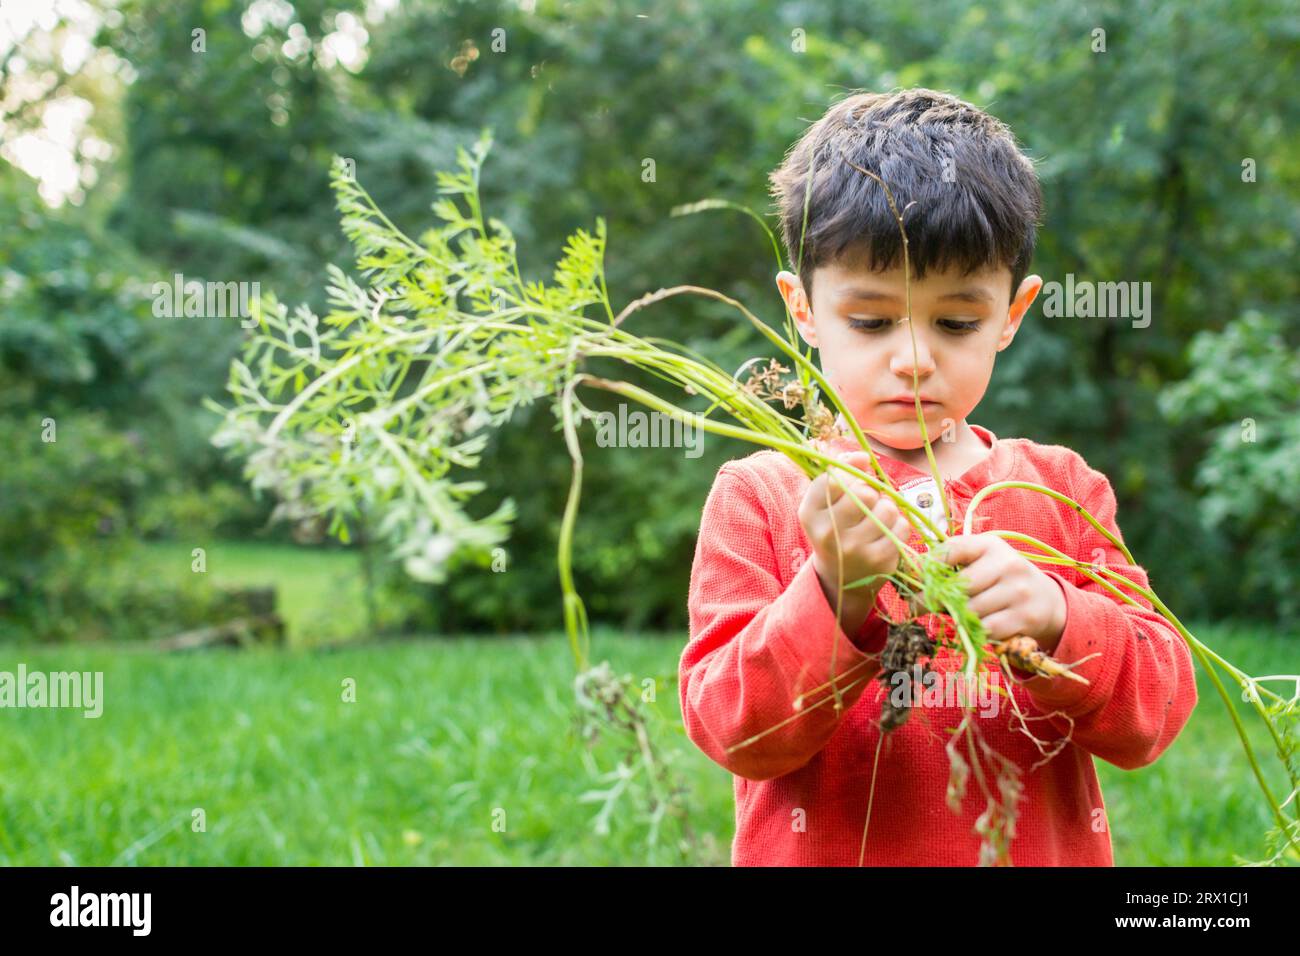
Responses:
[1009,593]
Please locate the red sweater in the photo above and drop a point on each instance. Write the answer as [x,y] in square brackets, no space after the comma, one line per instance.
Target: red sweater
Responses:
[762,632]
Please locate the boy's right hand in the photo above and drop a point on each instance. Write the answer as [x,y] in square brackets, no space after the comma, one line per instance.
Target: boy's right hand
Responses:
[863,546]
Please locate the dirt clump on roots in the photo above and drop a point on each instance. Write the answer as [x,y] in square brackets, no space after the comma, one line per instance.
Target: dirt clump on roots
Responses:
[906,644]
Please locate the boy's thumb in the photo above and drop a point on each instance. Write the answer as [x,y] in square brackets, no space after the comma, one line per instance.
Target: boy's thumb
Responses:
[858,459]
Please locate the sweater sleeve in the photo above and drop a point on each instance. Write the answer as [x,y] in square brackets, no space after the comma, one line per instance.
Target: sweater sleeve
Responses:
[1142,684]
[756,647]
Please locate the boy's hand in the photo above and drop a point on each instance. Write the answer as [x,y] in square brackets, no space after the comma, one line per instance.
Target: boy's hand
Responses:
[1009,593]
[863,547]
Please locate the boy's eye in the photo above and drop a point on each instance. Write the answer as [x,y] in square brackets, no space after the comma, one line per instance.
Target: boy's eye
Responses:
[869,325]
[956,326]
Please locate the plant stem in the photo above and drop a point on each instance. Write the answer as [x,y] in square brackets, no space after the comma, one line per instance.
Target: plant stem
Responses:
[916,385]
[796,451]
[575,613]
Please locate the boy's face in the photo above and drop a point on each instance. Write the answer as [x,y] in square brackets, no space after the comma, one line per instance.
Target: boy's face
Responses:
[960,323]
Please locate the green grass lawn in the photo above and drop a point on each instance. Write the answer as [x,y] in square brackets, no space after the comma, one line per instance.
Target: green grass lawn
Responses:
[442,734]
[445,737]
[1199,804]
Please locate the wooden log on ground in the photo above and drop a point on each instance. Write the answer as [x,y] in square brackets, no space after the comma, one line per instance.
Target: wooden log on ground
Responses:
[249,602]
[240,632]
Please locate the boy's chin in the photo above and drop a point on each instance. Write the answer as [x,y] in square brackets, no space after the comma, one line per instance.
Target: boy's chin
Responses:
[906,439]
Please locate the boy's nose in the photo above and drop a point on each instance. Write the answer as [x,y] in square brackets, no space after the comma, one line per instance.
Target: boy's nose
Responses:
[903,360]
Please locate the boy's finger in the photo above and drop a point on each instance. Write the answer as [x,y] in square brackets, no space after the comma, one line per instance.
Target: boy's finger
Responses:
[837,477]
[846,513]
[824,490]
[865,494]
[858,459]
[862,490]
[886,511]
[897,525]
[960,550]
[903,528]
[841,481]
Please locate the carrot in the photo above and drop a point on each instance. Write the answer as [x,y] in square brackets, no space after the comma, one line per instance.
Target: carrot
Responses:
[1024,653]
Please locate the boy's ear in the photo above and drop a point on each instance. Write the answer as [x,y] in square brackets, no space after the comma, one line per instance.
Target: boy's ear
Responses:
[1020,303]
[795,300]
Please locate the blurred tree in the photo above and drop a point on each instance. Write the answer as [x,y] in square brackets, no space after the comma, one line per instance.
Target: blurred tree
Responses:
[96,416]
[1164,137]
[1244,393]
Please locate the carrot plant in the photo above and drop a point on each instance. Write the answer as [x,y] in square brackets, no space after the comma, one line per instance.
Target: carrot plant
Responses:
[384,405]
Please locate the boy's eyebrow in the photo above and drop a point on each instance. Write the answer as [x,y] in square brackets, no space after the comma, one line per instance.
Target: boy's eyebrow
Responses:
[974,295]
[867,295]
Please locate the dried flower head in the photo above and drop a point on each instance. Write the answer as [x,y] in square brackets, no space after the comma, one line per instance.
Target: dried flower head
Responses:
[766,383]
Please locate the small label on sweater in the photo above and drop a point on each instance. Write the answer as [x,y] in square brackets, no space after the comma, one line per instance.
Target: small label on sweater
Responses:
[924,496]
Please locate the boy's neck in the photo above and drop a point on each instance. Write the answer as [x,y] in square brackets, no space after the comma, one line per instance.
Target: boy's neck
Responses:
[952,457]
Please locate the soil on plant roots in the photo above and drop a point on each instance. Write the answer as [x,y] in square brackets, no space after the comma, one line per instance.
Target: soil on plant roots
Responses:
[906,644]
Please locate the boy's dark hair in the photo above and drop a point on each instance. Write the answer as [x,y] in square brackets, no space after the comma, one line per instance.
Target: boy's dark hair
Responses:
[977,196]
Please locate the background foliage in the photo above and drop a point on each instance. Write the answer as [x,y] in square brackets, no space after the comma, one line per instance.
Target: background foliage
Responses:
[219,169]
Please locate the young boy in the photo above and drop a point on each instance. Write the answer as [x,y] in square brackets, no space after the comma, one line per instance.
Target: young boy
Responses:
[763,628]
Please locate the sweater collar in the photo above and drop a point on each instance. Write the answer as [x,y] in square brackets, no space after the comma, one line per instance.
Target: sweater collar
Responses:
[996,462]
